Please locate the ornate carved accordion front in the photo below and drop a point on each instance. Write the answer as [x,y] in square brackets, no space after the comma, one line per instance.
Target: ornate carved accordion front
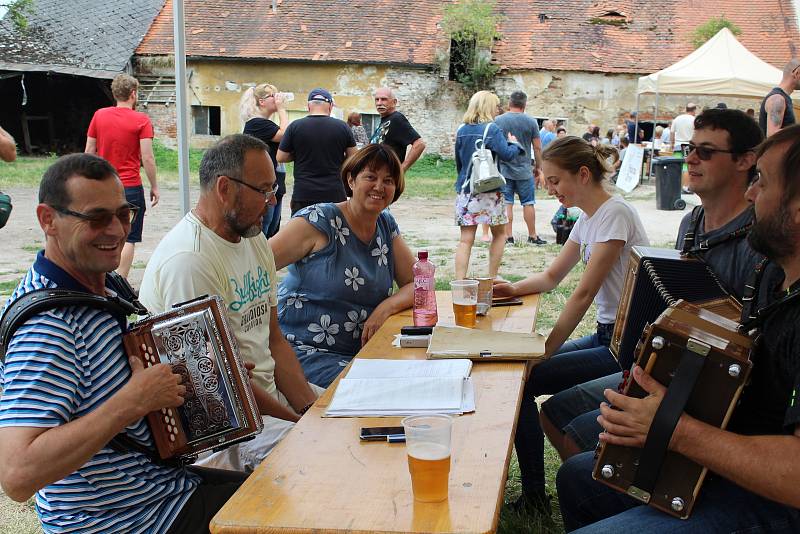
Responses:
[704,362]
[219,408]
[656,279]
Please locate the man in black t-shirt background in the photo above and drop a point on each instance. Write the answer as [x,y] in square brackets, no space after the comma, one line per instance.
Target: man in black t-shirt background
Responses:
[395,130]
[754,470]
[318,144]
[777,110]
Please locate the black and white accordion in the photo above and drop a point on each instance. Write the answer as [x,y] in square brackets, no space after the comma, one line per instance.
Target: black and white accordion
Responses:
[656,279]
[219,408]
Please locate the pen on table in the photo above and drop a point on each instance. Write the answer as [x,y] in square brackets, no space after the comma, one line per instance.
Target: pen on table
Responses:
[396,438]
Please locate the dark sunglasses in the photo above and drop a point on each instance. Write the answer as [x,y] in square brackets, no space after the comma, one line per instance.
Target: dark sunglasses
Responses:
[102,218]
[268,193]
[704,152]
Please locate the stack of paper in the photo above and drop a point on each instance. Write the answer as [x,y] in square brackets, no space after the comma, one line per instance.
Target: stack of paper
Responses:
[375,388]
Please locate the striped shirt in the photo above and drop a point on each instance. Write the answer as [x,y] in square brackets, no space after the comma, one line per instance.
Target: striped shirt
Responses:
[60,365]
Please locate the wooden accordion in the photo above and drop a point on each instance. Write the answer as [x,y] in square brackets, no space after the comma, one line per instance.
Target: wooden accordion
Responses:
[704,362]
[656,279]
[219,408]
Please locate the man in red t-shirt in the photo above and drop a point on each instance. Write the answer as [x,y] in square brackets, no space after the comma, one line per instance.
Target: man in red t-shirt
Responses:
[124,137]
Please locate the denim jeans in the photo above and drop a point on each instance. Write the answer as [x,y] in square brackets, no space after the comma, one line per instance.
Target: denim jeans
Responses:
[272,219]
[721,507]
[574,411]
[575,362]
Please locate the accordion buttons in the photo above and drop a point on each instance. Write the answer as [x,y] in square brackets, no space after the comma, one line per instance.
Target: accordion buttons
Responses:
[166,419]
[164,411]
[171,437]
[144,347]
[172,421]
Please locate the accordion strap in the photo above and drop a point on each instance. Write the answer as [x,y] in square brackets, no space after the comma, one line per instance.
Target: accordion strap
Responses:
[666,418]
[122,302]
[691,244]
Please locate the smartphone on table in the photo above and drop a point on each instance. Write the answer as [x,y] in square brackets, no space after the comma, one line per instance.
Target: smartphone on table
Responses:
[392,434]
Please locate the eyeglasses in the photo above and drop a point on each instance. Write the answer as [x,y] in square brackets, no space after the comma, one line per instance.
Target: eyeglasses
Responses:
[100,219]
[704,152]
[268,193]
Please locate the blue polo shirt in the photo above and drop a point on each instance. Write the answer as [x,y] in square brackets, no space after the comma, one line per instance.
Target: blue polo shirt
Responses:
[60,365]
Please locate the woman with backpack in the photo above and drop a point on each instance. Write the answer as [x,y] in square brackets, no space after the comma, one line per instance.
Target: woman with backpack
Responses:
[601,239]
[473,208]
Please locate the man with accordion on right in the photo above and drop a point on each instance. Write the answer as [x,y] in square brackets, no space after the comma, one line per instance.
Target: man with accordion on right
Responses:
[753,473]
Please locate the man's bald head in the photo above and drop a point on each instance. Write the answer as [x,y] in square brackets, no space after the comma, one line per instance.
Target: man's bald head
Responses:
[385,101]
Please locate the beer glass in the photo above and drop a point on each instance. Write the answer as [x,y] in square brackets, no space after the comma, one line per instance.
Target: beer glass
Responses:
[465,301]
[428,449]
[485,291]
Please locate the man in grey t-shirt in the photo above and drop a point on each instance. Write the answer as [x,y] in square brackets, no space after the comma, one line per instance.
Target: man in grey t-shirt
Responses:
[517,172]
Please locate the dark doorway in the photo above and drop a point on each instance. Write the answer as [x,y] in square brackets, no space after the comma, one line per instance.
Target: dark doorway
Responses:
[48,112]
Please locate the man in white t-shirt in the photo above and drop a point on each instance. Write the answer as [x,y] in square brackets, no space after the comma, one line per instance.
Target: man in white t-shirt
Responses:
[218,249]
[681,133]
[683,127]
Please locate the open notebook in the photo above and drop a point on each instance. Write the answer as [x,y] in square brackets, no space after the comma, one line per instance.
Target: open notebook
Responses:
[403,387]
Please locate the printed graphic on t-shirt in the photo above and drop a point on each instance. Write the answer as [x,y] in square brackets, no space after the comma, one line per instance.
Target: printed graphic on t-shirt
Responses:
[380,132]
[249,290]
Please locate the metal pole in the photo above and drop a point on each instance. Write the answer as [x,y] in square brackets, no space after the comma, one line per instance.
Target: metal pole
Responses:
[636,123]
[181,105]
[653,142]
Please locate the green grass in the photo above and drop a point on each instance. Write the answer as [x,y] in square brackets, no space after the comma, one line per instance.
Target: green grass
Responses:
[431,177]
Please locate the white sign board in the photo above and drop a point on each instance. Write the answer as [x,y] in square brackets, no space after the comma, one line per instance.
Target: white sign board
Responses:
[631,169]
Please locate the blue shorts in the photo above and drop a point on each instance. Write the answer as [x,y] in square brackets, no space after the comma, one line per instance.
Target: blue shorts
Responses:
[524,190]
[574,411]
[135,196]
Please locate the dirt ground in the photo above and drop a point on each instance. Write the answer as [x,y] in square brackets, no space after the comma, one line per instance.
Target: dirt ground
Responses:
[424,223]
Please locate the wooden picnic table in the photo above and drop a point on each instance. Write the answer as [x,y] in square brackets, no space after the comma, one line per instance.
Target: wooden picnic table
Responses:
[321,478]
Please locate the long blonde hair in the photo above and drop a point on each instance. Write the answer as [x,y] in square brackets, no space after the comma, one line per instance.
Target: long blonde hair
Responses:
[482,108]
[248,104]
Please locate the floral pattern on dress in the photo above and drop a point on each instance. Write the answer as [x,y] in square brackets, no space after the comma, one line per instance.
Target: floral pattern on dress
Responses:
[326,298]
[380,252]
[356,322]
[340,230]
[325,330]
[480,208]
[352,279]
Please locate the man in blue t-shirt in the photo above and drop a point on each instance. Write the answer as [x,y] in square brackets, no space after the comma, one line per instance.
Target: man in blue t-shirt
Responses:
[517,171]
[548,133]
[69,388]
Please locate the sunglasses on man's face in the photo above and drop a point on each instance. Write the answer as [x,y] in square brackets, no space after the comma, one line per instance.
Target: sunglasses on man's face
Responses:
[100,219]
[703,152]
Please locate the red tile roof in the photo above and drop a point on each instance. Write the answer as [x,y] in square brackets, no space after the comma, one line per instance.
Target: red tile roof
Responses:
[357,31]
[582,35]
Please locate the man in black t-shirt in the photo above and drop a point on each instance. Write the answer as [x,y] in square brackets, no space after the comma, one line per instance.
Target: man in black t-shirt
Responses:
[318,144]
[395,130]
[755,472]
[776,110]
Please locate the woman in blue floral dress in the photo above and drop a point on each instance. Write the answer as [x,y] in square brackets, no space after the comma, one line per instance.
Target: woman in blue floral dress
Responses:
[343,260]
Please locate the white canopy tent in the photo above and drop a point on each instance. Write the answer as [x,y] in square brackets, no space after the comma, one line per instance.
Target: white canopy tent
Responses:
[722,66]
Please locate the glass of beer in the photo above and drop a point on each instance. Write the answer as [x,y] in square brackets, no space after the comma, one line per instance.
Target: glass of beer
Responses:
[485,291]
[465,301]
[428,449]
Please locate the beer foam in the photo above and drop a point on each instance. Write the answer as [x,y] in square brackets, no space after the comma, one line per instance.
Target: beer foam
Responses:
[428,451]
[465,301]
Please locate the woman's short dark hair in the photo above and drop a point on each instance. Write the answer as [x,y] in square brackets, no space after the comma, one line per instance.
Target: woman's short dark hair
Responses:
[53,187]
[374,157]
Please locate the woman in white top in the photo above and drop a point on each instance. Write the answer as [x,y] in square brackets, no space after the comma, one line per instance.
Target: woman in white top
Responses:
[602,237]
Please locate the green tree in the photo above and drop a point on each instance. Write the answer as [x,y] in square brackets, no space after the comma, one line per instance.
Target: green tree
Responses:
[471,26]
[17,11]
[706,31]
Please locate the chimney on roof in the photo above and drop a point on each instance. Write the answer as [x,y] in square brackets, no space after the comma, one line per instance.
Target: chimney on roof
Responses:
[274,7]
[543,17]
